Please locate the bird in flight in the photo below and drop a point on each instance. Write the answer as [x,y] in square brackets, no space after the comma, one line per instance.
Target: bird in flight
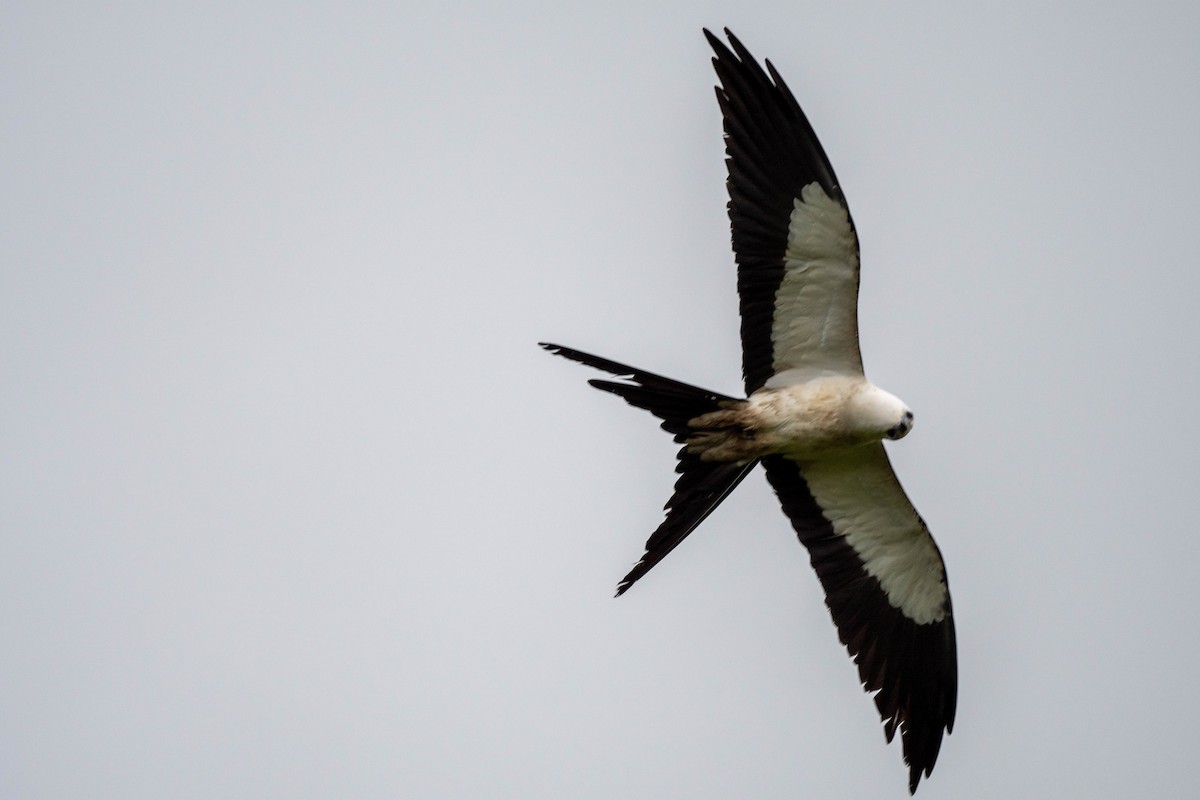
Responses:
[810,416]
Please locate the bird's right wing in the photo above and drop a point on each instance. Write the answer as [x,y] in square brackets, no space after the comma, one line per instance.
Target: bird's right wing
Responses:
[793,238]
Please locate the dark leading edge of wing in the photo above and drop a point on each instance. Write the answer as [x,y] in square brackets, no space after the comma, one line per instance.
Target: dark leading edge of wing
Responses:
[911,667]
[701,485]
[772,154]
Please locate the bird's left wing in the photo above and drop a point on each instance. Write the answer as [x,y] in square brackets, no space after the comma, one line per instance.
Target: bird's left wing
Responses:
[793,238]
[885,585]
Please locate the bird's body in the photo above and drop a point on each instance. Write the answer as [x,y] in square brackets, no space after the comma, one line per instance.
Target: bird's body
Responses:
[810,417]
[805,421]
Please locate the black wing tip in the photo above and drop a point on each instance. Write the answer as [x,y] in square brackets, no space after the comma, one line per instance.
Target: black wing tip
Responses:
[738,54]
[715,41]
[921,749]
[916,772]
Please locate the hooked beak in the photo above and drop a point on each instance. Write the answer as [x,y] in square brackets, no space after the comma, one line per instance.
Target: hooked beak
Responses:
[899,430]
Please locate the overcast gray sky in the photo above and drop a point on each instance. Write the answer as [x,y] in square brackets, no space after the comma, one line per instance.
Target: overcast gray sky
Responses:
[292,506]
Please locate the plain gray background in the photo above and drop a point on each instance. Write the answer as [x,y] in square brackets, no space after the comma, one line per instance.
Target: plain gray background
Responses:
[293,507]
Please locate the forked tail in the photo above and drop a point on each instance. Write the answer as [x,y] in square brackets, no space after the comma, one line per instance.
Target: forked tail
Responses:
[701,485]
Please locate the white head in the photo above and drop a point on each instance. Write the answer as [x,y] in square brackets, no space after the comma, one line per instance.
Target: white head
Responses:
[876,414]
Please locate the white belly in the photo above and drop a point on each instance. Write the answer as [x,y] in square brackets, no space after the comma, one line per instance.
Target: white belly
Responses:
[807,419]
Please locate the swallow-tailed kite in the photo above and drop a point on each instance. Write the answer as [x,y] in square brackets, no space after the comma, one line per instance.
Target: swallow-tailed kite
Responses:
[810,417]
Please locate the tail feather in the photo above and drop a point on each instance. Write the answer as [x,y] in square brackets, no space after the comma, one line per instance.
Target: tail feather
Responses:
[701,485]
[671,401]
